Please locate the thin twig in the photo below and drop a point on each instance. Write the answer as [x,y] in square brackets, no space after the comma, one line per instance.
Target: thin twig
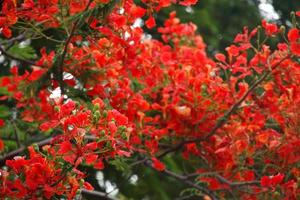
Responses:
[185,180]
[16,133]
[100,195]
[41,143]
[19,151]
[65,50]
[236,184]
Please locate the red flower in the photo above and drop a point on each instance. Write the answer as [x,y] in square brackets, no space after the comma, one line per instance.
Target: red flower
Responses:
[98,102]
[295,48]
[188,2]
[293,35]
[99,164]
[116,115]
[270,29]
[158,165]
[88,186]
[2,123]
[150,22]
[137,11]
[271,181]
[50,124]
[1,145]
[6,32]
[220,57]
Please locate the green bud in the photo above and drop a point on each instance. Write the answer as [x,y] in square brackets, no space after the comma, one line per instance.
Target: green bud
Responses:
[282,29]
[81,182]
[77,104]
[56,108]
[97,114]
[276,195]
[122,128]
[96,107]
[105,114]
[35,147]
[293,14]
[102,132]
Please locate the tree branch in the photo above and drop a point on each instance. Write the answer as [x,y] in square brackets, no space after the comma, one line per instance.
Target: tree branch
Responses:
[41,143]
[100,195]
[185,180]
[19,151]
[236,184]
[65,50]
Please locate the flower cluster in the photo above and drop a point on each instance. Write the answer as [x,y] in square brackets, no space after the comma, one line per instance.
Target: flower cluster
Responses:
[125,95]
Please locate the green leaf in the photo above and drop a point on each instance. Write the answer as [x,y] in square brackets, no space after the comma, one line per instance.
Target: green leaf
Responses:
[120,164]
[4,111]
[3,91]
[26,52]
[136,86]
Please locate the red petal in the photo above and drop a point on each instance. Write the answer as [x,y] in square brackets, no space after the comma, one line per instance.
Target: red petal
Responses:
[47,125]
[150,22]
[158,165]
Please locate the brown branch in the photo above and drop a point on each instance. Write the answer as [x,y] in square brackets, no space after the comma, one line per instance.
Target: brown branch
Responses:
[16,133]
[65,50]
[185,180]
[41,143]
[236,184]
[100,195]
[19,151]
[12,40]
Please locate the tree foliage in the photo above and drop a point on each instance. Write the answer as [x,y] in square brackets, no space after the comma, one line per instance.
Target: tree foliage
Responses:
[85,94]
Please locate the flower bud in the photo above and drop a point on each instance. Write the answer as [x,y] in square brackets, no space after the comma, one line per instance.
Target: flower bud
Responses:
[282,29]
[56,108]
[104,114]
[97,114]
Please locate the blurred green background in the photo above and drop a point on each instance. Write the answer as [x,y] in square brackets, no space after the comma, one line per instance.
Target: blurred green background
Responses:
[219,21]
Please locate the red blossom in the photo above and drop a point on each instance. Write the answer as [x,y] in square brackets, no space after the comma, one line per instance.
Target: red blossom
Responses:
[1,145]
[2,123]
[271,181]
[150,22]
[128,96]
[271,29]
[156,164]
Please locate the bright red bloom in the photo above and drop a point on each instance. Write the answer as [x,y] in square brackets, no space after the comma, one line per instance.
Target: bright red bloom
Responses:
[220,57]
[271,181]
[294,38]
[271,29]
[156,164]
[116,115]
[188,2]
[2,123]
[293,35]
[99,102]
[50,124]
[150,22]
[1,145]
